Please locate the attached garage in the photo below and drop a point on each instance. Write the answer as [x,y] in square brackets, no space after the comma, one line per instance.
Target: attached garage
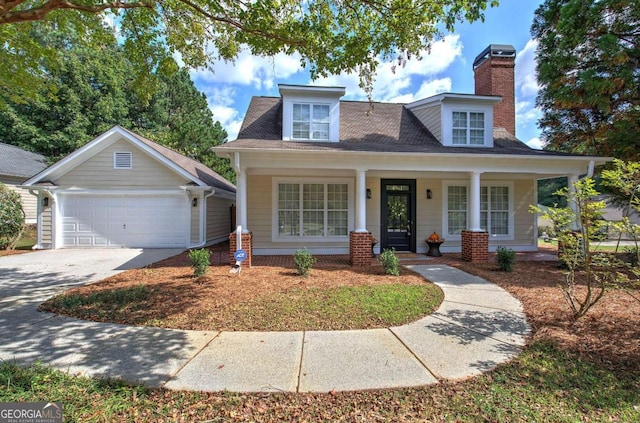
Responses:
[124,221]
[123,190]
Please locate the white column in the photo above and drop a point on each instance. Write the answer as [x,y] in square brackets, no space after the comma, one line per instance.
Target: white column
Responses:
[241,200]
[474,202]
[361,201]
[572,179]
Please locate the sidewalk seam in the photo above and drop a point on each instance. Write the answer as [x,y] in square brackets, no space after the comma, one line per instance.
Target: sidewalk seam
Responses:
[436,377]
[186,363]
[304,335]
[478,332]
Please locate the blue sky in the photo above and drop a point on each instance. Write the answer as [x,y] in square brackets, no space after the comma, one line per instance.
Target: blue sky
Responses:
[447,69]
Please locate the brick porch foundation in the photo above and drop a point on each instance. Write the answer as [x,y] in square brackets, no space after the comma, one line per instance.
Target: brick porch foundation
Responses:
[475,246]
[360,248]
[247,245]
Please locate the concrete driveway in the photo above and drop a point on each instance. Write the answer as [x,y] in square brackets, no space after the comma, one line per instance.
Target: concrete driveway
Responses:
[97,349]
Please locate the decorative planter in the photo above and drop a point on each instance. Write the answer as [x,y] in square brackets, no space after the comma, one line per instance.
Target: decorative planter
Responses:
[434,248]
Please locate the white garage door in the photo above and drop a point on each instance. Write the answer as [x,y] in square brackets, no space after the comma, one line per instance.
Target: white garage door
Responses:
[123,221]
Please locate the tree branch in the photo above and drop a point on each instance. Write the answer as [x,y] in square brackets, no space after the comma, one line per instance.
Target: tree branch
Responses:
[39,13]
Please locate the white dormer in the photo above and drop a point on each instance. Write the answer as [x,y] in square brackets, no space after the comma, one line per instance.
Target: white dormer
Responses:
[458,120]
[310,113]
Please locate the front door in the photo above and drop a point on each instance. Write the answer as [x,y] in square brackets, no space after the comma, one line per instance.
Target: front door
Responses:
[398,214]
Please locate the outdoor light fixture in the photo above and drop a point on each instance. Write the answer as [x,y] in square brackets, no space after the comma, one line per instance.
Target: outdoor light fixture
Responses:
[429,194]
[194,202]
[368,192]
[45,202]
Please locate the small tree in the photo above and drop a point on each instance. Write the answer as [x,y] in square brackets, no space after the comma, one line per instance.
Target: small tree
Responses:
[389,262]
[598,270]
[11,218]
[304,261]
[199,261]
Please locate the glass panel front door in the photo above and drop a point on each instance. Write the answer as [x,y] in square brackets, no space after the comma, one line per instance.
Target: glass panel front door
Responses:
[398,214]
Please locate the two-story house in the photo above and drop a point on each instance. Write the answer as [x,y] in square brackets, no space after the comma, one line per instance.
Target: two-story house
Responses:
[318,172]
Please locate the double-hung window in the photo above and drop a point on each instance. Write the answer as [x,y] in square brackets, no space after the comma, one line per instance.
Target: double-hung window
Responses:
[312,210]
[310,121]
[468,128]
[495,209]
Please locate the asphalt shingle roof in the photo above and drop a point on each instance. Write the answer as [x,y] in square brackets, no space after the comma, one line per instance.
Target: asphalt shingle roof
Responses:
[193,167]
[364,126]
[17,162]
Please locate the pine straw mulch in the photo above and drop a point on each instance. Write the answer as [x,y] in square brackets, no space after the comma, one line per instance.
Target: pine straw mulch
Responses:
[216,300]
[609,333]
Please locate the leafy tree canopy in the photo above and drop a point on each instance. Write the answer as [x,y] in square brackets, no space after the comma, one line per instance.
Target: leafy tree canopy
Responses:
[588,59]
[331,36]
[95,91]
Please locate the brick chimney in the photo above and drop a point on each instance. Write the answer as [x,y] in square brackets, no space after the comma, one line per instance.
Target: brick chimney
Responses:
[494,75]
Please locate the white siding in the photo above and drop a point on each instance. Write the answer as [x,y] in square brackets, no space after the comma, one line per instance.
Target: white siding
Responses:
[432,119]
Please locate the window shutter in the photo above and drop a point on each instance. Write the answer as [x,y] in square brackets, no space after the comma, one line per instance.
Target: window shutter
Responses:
[122,160]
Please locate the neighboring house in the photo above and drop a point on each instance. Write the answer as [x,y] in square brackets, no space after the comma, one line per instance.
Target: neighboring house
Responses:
[317,172]
[123,190]
[16,165]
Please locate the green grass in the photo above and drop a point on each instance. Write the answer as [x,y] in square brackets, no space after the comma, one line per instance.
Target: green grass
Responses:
[100,305]
[28,239]
[542,384]
[345,307]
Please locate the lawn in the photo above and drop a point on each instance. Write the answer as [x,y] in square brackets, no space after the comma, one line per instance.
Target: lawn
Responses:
[268,298]
[27,240]
[571,371]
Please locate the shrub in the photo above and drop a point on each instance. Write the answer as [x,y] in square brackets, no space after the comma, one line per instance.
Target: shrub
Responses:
[505,259]
[199,261]
[389,262]
[632,254]
[11,218]
[304,261]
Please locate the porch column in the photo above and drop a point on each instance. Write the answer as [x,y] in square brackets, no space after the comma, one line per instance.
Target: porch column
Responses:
[361,201]
[571,181]
[474,202]
[241,200]
[475,242]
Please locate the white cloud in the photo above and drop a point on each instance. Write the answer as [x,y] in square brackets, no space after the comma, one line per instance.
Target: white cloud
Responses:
[536,143]
[526,82]
[392,82]
[257,71]
[221,100]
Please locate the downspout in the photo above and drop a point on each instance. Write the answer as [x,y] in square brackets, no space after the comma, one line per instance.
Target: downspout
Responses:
[39,218]
[203,226]
[590,169]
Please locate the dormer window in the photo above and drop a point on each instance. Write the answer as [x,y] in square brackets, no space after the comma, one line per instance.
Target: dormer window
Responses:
[468,128]
[310,121]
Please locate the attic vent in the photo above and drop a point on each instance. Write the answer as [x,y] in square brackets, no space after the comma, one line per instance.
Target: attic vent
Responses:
[122,160]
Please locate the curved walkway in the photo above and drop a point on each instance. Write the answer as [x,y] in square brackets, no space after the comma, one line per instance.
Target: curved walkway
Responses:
[477,327]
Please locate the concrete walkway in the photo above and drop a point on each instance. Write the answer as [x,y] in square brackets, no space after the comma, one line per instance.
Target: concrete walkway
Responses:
[477,327]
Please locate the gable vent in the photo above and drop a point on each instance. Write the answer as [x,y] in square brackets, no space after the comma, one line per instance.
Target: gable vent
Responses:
[122,160]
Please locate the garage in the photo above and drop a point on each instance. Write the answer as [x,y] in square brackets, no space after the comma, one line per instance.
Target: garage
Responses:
[138,221]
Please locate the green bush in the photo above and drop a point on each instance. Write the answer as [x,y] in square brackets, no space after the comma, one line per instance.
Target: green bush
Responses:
[505,259]
[304,261]
[199,261]
[11,218]
[389,262]
[632,255]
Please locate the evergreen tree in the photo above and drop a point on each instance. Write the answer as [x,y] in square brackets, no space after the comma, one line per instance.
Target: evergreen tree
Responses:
[588,59]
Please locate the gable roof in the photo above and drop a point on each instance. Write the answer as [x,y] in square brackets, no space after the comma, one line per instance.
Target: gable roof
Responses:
[188,168]
[365,127]
[17,162]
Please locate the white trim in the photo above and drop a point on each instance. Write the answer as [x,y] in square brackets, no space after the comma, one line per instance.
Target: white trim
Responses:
[446,183]
[447,124]
[275,251]
[110,137]
[471,99]
[128,154]
[120,192]
[333,102]
[275,237]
